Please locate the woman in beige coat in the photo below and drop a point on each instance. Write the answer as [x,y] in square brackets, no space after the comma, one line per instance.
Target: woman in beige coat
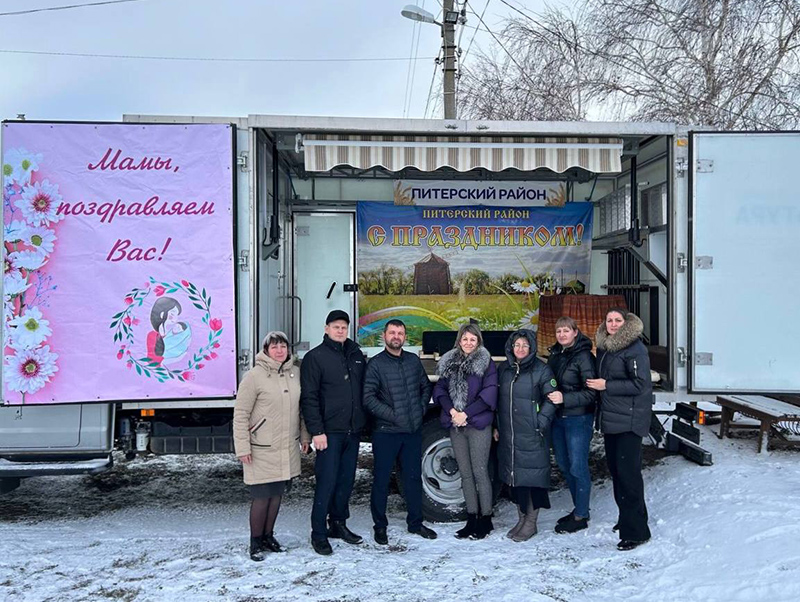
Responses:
[268,434]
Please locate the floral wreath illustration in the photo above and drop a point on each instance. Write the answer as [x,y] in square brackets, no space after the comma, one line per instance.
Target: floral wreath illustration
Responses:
[122,324]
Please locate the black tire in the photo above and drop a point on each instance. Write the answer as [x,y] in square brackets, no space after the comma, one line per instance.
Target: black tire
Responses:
[442,497]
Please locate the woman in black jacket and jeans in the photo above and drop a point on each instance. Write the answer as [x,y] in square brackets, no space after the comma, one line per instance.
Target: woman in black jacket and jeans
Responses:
[626,398]
[572,363]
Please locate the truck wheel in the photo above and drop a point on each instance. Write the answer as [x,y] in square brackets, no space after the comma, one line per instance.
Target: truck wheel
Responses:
[442,498]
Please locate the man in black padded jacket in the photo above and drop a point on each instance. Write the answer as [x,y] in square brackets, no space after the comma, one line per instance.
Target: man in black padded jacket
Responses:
[397,391]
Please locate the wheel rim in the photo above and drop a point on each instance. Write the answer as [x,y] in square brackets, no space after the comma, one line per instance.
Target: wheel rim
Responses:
[441,480]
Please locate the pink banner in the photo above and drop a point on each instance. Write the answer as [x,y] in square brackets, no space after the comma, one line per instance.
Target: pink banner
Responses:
[118,254]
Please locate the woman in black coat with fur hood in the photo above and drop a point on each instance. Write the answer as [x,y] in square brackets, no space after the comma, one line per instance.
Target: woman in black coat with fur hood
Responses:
[626,399]
[524,417]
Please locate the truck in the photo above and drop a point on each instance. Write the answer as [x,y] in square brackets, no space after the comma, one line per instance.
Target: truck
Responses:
[691,229]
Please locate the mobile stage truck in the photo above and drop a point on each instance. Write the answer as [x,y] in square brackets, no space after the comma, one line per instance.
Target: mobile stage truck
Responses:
[145,260]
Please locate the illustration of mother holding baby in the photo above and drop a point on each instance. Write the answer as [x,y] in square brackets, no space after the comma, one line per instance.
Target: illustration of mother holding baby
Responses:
[169,340]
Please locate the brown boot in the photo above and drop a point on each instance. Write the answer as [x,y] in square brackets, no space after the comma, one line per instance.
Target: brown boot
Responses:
[528,528]
[518,526]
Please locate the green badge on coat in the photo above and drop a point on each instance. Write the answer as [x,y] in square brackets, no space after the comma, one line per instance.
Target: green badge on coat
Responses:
[553,382]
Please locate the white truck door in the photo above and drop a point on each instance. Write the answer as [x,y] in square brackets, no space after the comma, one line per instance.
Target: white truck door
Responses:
[743,264]
[323,272]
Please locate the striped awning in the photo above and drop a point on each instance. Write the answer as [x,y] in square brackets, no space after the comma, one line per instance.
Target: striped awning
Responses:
[323,152]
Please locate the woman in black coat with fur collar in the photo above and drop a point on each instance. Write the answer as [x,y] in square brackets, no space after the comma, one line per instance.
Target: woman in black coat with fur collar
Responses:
[626,399]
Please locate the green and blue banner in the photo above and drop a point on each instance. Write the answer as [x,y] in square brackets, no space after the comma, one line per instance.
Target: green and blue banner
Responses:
[436,268]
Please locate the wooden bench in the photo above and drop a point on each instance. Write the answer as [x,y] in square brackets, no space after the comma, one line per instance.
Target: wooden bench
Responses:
[766,410]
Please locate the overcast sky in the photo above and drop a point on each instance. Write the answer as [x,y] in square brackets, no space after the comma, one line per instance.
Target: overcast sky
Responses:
[63,87]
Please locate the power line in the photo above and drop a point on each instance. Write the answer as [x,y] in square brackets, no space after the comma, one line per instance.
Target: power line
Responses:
[414,69]
[430,89]
[408,71]
[466,54]
[461,31]
[208,59]
[412,66]
[496,39]
[463,11]
[518,10]
[67,7]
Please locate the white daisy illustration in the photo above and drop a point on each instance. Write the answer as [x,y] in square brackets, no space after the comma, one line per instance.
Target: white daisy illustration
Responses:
[9,263]
[14,283]
[28,260]
[530,320]
[39,203]
[14,231]
[30,369]
[39,238]
[524,287]
[30,329]
[19,163]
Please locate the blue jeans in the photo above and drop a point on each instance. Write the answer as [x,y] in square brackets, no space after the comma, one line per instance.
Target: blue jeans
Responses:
[571,438]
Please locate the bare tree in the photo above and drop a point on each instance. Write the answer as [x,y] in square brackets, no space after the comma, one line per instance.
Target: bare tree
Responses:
[537,71]
[725,63]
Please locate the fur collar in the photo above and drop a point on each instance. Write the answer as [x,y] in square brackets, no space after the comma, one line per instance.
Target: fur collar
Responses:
[629,332]
[455,366]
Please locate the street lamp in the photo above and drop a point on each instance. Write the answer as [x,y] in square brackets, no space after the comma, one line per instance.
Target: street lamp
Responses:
[451,17]
[415,13]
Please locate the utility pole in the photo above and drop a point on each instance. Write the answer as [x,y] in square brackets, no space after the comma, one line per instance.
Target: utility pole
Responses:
[449,49]
[449,17]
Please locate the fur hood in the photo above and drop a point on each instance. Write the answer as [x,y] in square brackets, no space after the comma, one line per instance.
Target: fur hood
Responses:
[270,365]
[456,366]
[629,332]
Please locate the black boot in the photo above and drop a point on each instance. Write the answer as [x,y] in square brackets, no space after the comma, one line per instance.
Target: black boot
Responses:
[468,529]
[337,529]
[572,525]
[483,528]
[322,547]
[271,544]
[256,549]
[424,531]
[629,544]
[564,519]
[381,537]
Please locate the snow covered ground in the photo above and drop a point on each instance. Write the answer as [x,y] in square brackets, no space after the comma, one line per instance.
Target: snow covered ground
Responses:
[176,529]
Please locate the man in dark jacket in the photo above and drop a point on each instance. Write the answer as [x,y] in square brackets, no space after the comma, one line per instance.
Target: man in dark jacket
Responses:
[331,380]
[397,391]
